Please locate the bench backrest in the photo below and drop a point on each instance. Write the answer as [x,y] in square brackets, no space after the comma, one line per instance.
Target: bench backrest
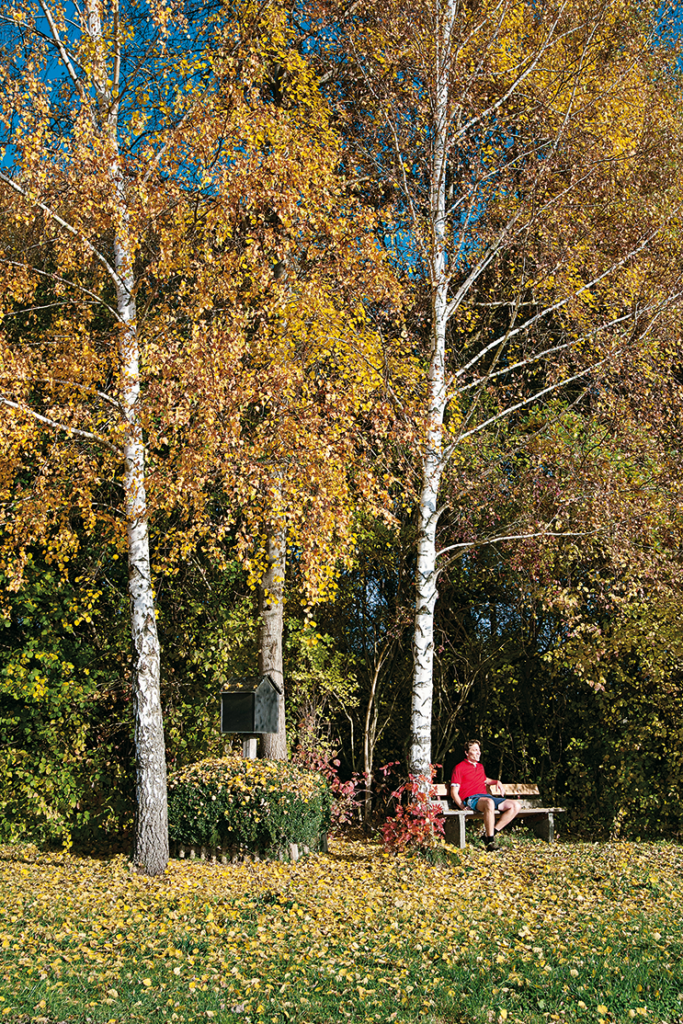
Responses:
[525,793]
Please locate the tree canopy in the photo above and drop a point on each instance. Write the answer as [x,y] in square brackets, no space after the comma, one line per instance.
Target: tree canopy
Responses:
[354,334]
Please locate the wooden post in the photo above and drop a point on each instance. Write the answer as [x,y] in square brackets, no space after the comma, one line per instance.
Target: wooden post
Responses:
[249,747]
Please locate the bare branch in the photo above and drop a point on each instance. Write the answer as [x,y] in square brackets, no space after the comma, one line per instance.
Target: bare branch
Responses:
[61,280]
[549,41]
[530,360]
[82,387]
[398,153]
[482,381]
[63,53]
[62,426]
[34,309]
[117,51]
[513,536]
[67,227]
[504,413]
[553,307]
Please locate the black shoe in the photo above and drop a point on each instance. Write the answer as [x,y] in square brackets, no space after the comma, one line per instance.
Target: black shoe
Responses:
[491,845]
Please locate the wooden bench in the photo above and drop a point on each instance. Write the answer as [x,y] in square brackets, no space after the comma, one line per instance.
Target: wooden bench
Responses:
[540,819]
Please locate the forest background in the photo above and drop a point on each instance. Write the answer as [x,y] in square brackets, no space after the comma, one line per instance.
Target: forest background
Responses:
[335,323]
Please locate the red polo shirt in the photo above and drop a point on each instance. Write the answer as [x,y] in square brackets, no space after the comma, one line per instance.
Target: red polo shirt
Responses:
[470,777]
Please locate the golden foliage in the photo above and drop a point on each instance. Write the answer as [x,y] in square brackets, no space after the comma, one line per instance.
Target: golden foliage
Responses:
[267,388]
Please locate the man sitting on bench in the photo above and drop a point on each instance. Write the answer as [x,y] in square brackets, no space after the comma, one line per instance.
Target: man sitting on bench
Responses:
[468,790]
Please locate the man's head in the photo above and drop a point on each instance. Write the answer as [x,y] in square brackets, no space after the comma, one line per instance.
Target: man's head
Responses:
[473,751]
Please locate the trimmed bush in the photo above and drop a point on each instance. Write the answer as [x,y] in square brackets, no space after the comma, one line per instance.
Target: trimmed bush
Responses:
[259,805]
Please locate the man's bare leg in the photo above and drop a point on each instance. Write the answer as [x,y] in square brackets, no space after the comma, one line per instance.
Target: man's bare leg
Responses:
[508,810]
[486,807]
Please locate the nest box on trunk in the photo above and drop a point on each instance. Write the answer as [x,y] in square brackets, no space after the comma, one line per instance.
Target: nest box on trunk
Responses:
[249,705]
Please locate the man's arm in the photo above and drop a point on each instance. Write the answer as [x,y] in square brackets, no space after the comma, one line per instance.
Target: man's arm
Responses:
[498,783]
[455,796]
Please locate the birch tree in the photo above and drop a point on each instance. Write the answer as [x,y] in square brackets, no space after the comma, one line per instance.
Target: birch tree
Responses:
[89,55]
[321,363]
[517,145]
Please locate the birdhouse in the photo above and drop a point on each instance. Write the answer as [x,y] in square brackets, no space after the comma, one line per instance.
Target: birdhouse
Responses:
[249,705]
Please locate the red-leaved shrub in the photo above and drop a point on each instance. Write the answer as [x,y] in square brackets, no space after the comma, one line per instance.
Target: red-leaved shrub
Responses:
[344,794]
[418,822]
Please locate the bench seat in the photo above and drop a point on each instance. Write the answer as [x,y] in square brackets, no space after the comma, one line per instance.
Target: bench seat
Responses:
[540,819]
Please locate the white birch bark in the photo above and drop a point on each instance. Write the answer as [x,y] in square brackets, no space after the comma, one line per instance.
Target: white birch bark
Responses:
[271,612]
[150,852]
[432,461]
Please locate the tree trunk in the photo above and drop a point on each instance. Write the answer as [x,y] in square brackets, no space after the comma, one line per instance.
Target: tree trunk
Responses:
[432,463]
[369,733]
[423,638]
[271,612]
[150,850]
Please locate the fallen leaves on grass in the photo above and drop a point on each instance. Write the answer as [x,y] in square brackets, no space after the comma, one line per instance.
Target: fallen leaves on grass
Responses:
[566,933]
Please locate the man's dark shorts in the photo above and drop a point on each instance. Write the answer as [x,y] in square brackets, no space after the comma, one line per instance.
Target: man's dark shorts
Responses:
[472,801]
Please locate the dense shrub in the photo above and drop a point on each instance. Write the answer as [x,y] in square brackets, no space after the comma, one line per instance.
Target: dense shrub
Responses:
[263,805]
[63,767]
[66,752]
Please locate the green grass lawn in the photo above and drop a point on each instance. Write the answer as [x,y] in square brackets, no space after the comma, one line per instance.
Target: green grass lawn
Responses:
[571,932]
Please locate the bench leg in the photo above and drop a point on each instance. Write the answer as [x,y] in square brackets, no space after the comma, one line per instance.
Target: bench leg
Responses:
[454,830]
[545,828]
